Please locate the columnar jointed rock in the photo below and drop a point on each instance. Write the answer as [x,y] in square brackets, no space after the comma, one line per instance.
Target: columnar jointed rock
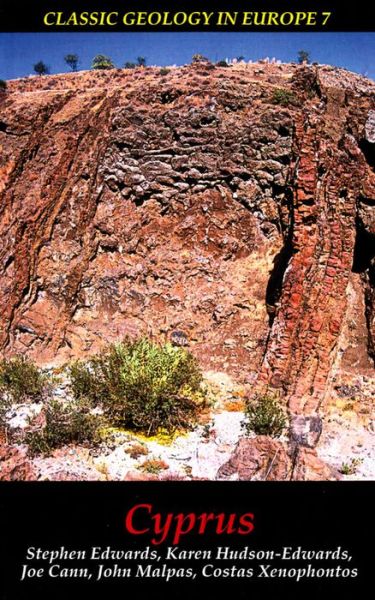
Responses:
[134,203]
[331,174]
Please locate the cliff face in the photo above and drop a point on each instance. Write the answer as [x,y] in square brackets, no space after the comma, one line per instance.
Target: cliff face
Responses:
[133,202]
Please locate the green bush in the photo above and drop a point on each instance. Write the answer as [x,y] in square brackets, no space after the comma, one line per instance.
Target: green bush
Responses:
[264,416]
[283,97]
[20,380]
[41,68]
[164,71]
[351,467]
[129,65]
[222,63]
[72,61]
[199,58]
[100,61]
[142,385]
[65,424]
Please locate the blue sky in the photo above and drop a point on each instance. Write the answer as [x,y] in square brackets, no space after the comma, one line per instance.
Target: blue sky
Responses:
[20,51]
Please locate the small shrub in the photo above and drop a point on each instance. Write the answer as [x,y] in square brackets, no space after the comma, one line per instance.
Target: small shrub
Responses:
[222,63]
[199,58]
[136,450]
[3,86]
[164,71]
[206,431]
[351,467]
[65,424]
[264,416]
[20,380]
[153,466]
[283,97]
[129,65]
[142,385]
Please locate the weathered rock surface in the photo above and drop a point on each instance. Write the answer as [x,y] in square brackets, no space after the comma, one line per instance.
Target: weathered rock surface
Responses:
[14,465]
[307,466]
[260,458]
[265,459]
[134,203]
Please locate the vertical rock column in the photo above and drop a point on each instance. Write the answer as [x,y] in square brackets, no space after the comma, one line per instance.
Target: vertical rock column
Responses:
[313,299]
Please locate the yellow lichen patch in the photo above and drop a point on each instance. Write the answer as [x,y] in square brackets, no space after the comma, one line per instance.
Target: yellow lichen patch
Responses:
[162,437]
[234,406]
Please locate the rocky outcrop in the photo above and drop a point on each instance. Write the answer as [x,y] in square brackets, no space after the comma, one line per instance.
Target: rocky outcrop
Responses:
[265,459]
[194,203]
[258,459]
[14,465]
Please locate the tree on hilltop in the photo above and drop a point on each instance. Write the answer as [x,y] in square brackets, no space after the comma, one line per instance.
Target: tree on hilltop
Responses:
[72,61]
[198,58]
[141,61]
[303,57]
[41,68]
[100,61]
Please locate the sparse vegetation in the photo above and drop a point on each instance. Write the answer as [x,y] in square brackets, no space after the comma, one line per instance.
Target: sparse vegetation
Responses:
[142,385]
[72,61]
[199,58]
[3,86]
[41,68]
[65,424]
[207,431]
[3,411]
[137,450]
[303,57]
[21,380]
[141,61]
[100,61]
[129,65]
[222,63]
[153,466]
[163,71]
[283,97]
[351,467]
[264,416]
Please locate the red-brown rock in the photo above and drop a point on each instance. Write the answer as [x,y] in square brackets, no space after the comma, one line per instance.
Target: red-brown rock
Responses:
[134,203]
[259,459]
[14,465]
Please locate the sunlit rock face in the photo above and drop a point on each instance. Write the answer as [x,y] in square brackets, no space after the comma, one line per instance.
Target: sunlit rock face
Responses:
[198,205]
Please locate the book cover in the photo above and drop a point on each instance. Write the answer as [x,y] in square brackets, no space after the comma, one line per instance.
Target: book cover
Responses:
[187,298]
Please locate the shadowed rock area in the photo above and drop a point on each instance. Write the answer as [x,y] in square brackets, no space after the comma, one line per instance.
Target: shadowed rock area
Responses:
[194,206]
